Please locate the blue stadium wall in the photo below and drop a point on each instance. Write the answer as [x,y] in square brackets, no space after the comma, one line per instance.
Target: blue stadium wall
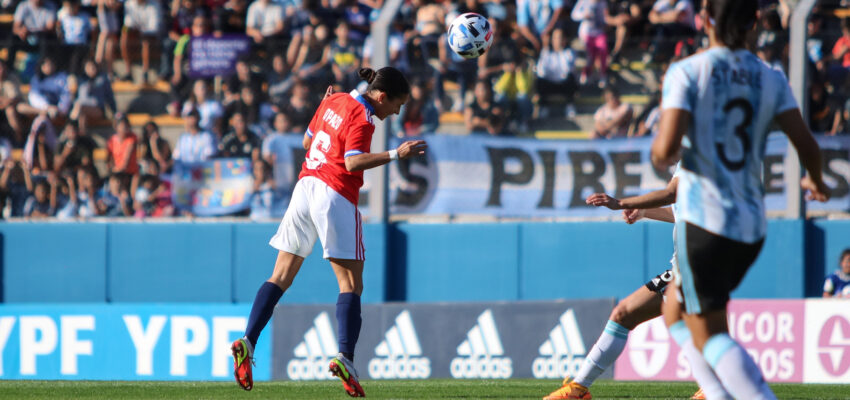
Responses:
[226,262]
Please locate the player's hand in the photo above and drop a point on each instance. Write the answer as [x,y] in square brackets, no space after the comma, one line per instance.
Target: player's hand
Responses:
[603,200]
[411,148]
[328,92]
[632,215]
[817,191]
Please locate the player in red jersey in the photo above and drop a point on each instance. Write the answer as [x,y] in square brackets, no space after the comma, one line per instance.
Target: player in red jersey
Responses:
[324,207]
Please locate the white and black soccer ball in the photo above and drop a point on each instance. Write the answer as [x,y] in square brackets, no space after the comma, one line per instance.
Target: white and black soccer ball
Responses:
[470,35]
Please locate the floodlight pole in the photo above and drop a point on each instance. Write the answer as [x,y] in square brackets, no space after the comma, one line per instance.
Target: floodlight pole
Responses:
[797,72]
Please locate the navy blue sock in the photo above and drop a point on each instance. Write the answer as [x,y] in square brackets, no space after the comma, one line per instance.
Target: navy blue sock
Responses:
[348,318]
[261,311]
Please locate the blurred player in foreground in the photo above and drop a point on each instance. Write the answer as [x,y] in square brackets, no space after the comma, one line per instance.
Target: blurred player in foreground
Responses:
[324,207]
[724,101]
[642,305]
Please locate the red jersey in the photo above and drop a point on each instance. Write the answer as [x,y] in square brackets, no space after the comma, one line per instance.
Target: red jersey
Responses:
[342,127]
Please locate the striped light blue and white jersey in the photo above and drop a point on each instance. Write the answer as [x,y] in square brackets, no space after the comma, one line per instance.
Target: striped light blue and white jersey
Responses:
[732,97]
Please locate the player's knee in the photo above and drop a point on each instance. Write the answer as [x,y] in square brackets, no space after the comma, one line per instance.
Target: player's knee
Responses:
[620,315]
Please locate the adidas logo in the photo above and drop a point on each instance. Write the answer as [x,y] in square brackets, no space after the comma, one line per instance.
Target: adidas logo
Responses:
[481,354]
[315,352]
[563,353]
[399,355]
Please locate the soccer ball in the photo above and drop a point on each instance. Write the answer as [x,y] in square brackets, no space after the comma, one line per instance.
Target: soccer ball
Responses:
[470,35]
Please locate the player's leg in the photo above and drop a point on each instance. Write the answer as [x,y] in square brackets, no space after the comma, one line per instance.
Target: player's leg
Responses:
[640,306]
[294,241]
[712,266]
[340,230]
[709,383]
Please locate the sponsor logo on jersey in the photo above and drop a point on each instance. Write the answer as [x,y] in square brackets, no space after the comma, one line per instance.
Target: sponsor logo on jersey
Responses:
[563,352]
[481,355]
[315,352]
[834,346]
[649,347]
[399,355]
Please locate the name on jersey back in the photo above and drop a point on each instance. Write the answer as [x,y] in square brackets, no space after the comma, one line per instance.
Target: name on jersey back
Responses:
[727,76]
[332,118]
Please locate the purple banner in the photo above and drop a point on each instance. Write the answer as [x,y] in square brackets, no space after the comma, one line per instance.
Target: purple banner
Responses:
[211,56]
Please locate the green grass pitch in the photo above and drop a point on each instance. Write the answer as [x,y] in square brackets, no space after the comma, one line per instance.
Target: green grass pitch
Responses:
[427,389]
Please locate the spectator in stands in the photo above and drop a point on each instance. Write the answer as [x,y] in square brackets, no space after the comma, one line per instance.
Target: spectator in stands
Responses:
[555,75]
[771,42]
[181,15]
[208,107]
[75,31]
[430,25]
[180,87]
[592,15]
[356,16]
[841,121]
[230,18]
[63,196]
[94,96]
[154,150]
[108,25]
[815,44]
[38,204]
[113,200]
[274,143]
[537,18]
[49,93]
[40,146]
[837,284]
[241,142]
[313,59]
[75,148]
[86,191]
[16,183]
[281,79]
[344,58]
[841,54]
[32,27]
[265,25]
[419,115]
[263,195]
[453,67]
[626,18]
[10,96]
[194,145]
[121,149]
[299,108]
[142,18]
[477,113]
[821,108]
[397,48]
[671,20]
[143,199]
[243,77]
[612,119]
[505,65]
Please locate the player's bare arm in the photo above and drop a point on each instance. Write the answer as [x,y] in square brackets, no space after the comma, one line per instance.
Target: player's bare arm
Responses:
[665,148]
[798,133]
[404,151]
[654,199]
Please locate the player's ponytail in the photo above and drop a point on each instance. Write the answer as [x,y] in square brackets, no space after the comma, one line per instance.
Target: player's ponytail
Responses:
[732,20]
[388,80]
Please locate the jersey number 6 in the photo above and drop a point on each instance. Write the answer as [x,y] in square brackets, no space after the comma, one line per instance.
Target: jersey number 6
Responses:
[740,132]
[318,148]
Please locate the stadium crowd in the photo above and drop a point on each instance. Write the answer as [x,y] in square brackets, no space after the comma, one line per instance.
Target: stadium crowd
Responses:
[545,53]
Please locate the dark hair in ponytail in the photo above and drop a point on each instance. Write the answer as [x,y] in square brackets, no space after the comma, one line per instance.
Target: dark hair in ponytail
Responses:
[388,80]
[732,20]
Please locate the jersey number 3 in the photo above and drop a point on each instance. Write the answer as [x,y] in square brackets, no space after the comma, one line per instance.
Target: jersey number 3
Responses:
[318,149]
[740,132]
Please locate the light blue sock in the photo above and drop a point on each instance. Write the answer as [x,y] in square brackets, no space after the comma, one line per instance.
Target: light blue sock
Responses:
[705,377]
[605,351]
[738,372]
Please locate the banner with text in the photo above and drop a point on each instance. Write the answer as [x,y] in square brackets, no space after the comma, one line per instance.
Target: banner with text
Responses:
[514,177]
[124,342]
[211,56]
[446,340]
[214,187]
[791,340]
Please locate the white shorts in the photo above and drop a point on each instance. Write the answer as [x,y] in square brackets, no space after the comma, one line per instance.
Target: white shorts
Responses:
[318,212]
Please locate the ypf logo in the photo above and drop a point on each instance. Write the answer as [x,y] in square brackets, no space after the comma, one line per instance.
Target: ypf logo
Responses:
[834,346]
[649,347]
